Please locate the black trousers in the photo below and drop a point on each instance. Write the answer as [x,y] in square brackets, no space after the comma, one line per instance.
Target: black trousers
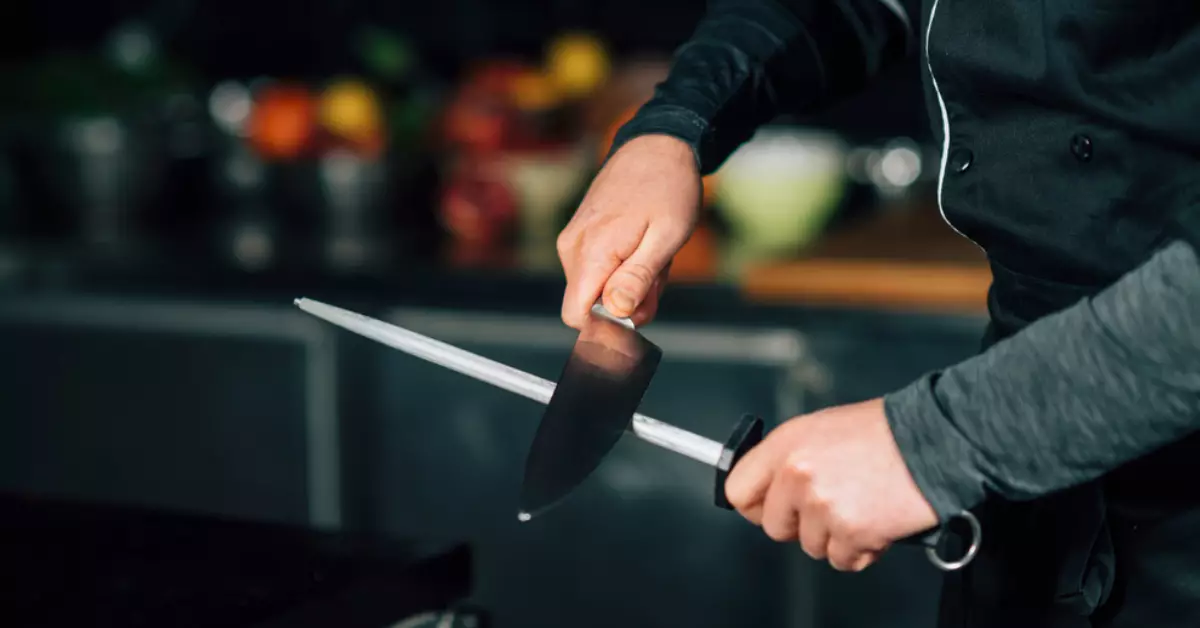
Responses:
[1121,552]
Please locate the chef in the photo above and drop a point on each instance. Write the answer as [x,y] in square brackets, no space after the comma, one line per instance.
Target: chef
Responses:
[1070,153]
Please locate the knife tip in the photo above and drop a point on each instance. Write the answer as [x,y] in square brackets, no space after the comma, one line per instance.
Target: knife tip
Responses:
[524,516]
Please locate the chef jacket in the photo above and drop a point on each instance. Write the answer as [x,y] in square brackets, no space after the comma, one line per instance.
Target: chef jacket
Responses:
[1070,140]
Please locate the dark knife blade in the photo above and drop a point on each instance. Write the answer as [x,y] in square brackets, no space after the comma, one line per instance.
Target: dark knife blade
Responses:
[601,386]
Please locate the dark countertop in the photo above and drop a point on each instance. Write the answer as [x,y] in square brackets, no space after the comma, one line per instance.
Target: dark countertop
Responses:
[73,563]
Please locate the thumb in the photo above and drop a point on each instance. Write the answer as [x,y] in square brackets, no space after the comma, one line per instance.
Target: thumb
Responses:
[632,281]
[748,481]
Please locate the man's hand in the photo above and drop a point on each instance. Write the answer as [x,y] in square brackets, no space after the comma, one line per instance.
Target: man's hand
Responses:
[835,481]
[638,213]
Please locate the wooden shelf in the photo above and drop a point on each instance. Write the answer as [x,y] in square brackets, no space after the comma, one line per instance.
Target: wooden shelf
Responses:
[906,258]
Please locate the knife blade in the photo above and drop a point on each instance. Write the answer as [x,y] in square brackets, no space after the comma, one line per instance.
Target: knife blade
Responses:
[597,394]
[722,457]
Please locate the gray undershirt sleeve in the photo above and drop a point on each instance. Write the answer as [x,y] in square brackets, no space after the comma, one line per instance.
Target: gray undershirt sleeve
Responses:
[1071,397]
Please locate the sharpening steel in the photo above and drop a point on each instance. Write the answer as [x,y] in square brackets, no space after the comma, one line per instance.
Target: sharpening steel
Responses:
[528,385]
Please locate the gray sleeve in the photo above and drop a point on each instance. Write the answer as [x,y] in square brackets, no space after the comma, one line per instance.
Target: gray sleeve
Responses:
[1069,398]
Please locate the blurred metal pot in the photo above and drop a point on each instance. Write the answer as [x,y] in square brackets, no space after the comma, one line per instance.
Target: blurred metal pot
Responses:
[105,170]
[352,190]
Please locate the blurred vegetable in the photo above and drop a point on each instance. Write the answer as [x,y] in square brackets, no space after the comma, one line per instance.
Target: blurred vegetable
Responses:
[478,207]
[578,64]
[479,117]
[475,125]
[534,91]
[350,110]
[282,121]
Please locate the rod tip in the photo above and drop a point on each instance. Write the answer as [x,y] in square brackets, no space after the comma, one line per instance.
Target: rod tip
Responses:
[297,301]
[524,516]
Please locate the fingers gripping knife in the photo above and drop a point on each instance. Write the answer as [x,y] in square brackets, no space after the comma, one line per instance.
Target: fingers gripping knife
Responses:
[592,406]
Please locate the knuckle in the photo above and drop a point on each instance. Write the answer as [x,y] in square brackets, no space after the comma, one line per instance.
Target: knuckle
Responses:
[842,526]
[818,504]
[855,531]
[799,470]
[595,248]
[565,243]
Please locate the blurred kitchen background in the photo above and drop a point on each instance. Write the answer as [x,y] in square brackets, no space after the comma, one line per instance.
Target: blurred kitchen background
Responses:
[174,172]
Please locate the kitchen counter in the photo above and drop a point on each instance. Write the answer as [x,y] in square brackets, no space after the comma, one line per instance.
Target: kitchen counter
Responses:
[902,259]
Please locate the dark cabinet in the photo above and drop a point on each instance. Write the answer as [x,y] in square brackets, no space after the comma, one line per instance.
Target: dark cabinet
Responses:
[218,409]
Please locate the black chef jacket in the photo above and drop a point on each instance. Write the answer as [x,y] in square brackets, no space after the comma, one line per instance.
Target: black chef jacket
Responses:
[1070,137]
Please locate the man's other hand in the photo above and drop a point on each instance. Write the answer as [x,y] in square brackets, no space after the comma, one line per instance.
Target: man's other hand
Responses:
[835,481]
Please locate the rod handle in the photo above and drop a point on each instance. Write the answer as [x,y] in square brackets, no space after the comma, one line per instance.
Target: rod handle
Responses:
[746,434]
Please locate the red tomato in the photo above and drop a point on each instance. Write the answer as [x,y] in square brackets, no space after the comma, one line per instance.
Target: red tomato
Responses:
[282,122]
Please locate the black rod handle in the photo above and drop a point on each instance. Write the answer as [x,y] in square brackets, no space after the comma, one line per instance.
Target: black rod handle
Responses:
[747,434]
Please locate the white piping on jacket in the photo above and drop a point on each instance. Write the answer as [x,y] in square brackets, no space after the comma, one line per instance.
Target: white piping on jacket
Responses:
[945,123]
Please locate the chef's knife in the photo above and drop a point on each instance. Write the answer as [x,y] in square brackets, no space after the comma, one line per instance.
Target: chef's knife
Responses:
[597,394]
[721,456]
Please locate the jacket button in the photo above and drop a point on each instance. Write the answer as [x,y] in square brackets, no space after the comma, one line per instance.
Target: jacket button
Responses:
[961,160]
[1081,147]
